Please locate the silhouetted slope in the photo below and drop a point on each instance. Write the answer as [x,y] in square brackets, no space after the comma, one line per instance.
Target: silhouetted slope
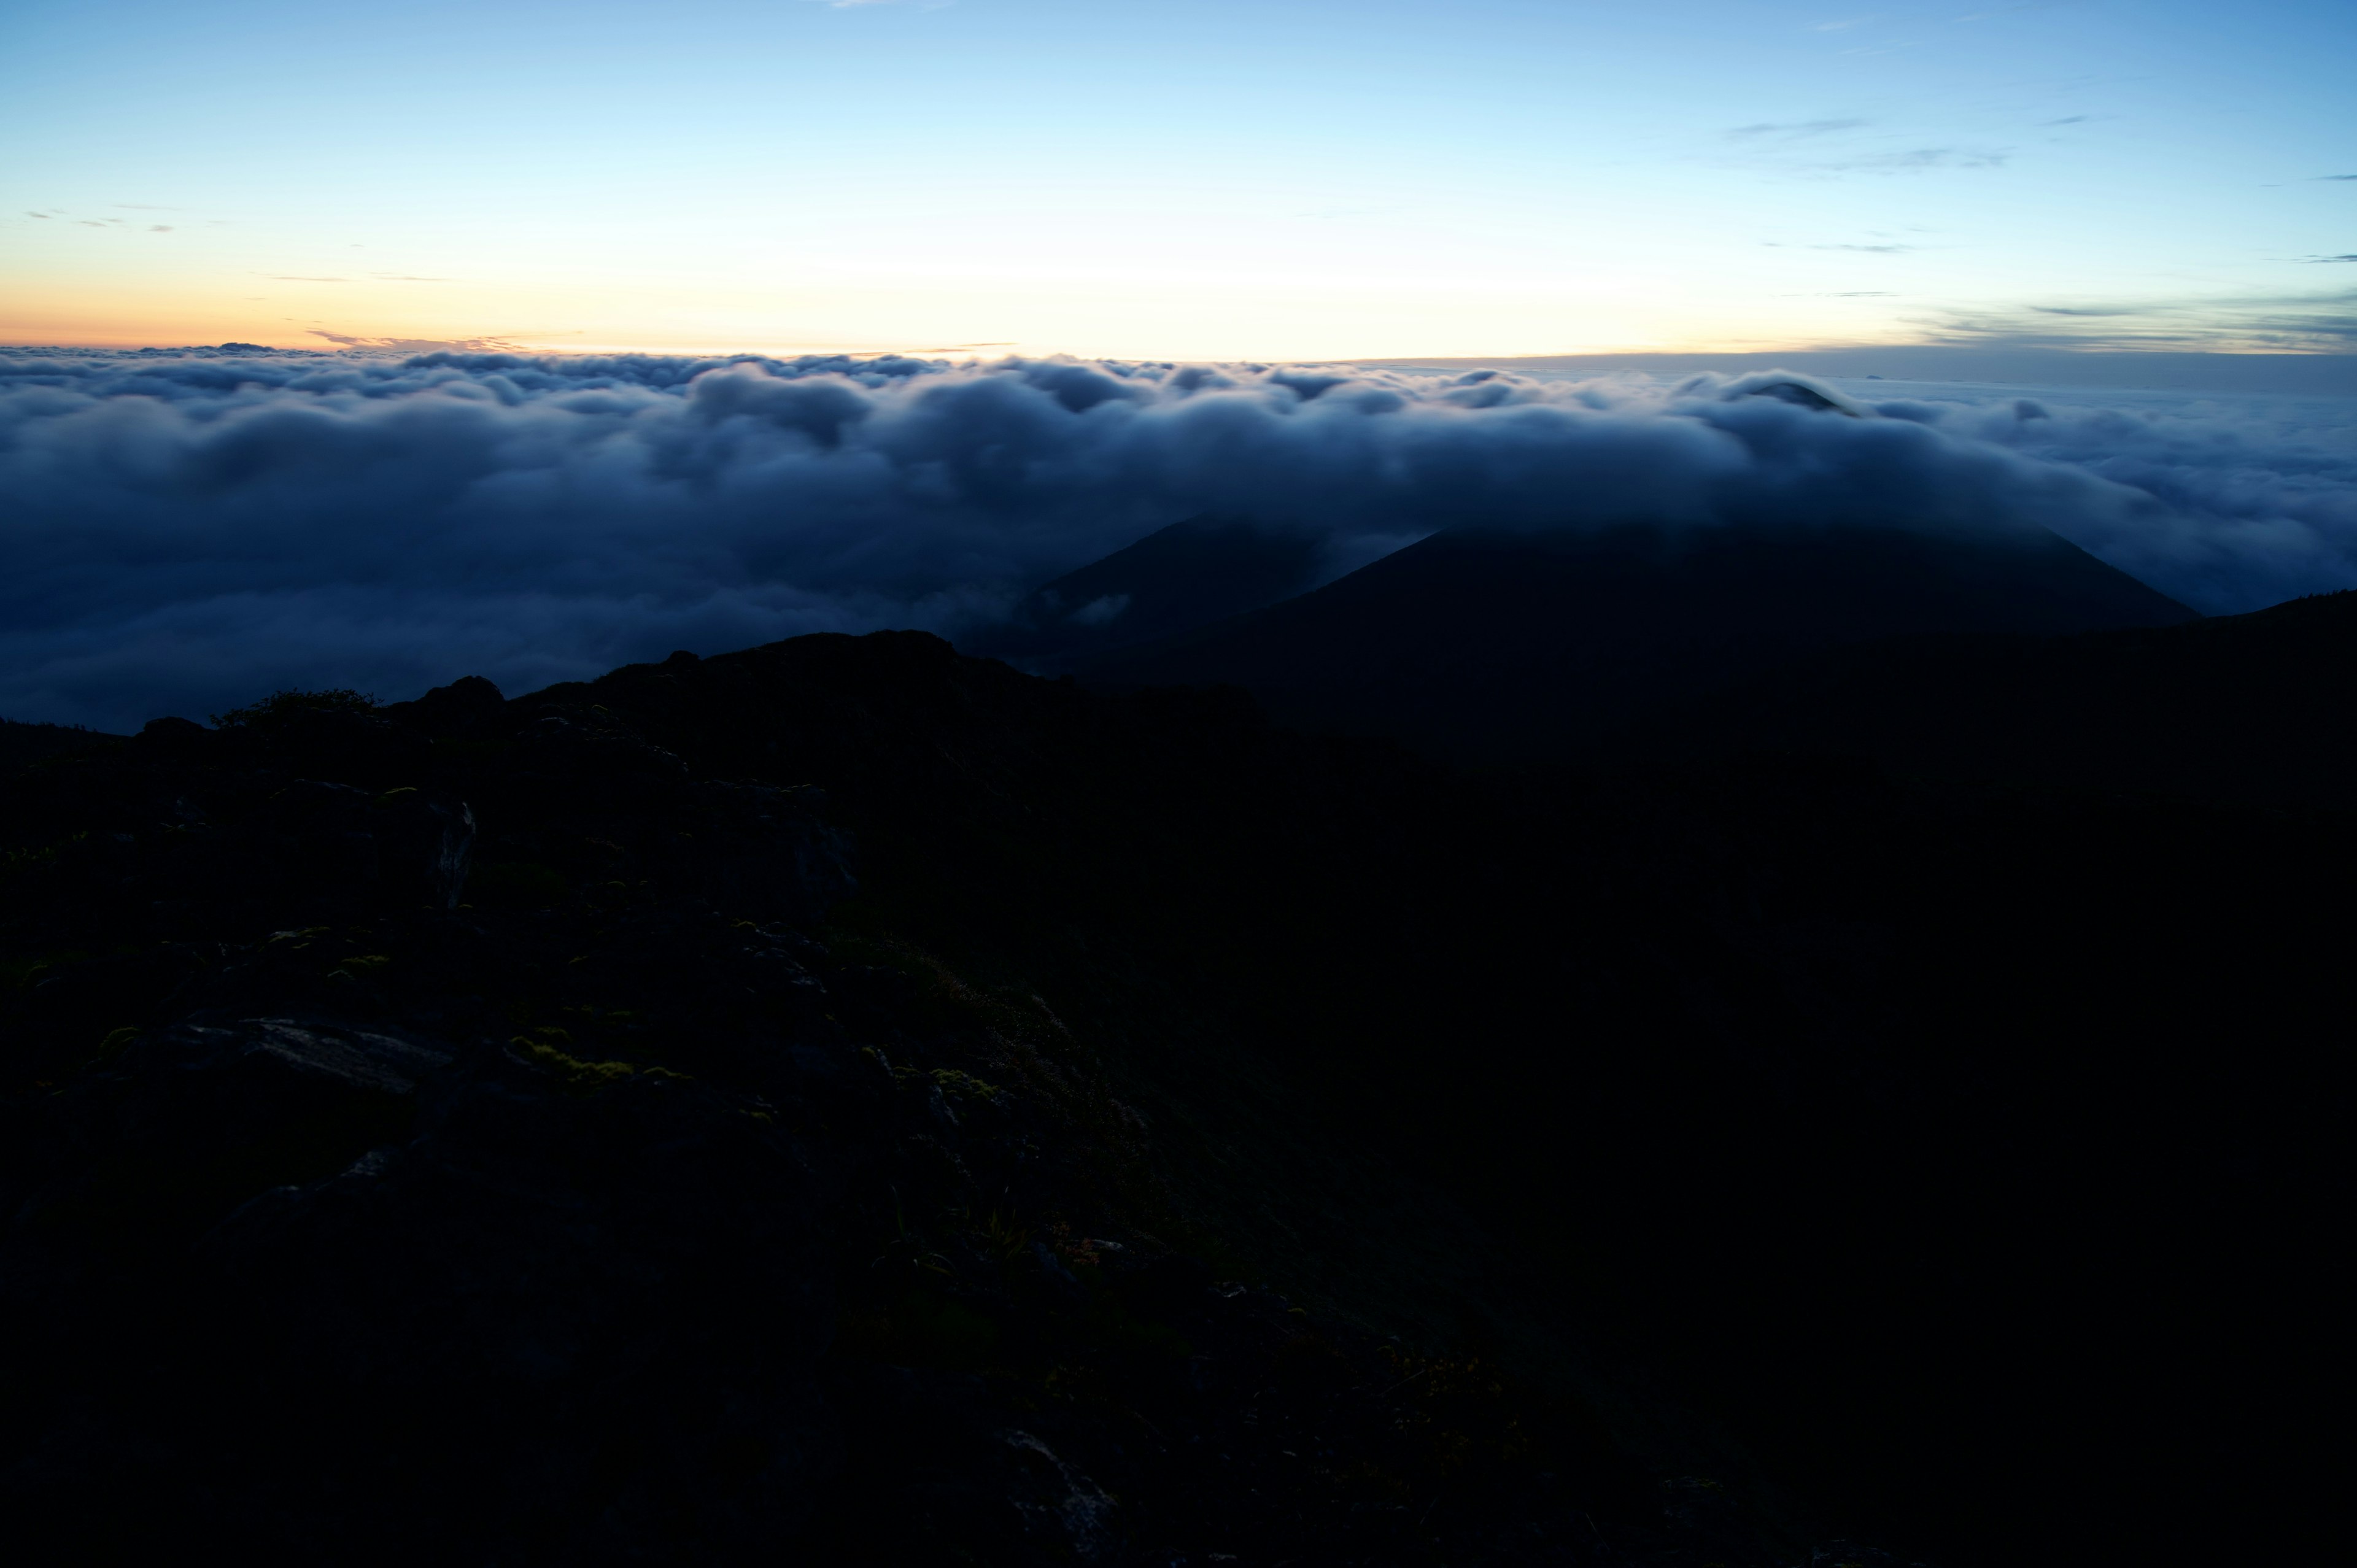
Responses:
[475,1130]
[1173,580]
[23,742]
[1481,645]
[1953,1158]
[2257,709]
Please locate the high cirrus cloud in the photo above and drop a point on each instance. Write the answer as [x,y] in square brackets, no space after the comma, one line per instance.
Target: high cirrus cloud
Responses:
[185,531]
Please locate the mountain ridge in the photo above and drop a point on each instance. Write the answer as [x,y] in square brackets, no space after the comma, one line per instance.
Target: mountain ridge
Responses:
[1489,645]
[1184,575]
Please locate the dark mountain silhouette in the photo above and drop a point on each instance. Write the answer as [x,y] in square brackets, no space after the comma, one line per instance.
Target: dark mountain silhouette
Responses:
[852,1103]
[1480,646]
[1173,580]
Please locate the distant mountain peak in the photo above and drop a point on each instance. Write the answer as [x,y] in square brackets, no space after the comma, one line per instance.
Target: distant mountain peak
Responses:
[1175,578]
[1489,643]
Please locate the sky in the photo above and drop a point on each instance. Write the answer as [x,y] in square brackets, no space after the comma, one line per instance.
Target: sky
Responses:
[1279,179]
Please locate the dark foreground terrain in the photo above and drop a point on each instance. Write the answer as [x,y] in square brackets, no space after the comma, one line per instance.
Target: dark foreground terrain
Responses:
[846,1103]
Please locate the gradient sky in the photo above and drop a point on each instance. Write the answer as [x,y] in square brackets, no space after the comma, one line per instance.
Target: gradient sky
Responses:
[1206,179]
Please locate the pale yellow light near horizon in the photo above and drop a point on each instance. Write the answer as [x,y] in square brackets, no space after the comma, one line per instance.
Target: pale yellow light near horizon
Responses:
[1162,319]
[1184,271]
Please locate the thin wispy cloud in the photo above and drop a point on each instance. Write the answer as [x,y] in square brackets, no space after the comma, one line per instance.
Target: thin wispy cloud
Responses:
[1795,146]
[410,346]
[1879,248]
[1921,158]
[1793,130]
[2283,323]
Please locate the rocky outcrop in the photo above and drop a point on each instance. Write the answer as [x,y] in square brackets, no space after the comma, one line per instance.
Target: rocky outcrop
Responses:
[450,1133]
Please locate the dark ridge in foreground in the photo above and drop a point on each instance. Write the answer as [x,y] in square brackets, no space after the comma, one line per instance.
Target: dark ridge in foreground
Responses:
[848,1101]
[23,742]
[2254,710]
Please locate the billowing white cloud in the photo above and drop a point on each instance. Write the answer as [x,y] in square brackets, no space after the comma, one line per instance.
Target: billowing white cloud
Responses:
[188,530]
[2251,500]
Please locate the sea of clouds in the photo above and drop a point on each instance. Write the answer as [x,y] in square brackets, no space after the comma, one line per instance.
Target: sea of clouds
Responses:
[183,531]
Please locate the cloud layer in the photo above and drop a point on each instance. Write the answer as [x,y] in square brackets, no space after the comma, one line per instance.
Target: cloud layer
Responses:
[188,530]
[2244,502]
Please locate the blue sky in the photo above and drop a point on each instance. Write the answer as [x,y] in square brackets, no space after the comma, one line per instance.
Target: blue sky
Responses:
[1201,180]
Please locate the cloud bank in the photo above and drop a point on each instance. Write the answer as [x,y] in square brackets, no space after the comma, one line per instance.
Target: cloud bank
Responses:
[188,530]
[2242,503]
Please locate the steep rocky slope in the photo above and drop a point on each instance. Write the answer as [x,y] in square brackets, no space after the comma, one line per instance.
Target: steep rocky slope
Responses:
[456,1131]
